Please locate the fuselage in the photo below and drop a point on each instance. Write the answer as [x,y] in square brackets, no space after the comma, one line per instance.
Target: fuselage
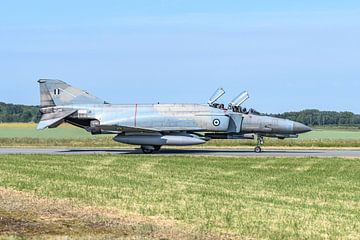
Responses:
[179,117]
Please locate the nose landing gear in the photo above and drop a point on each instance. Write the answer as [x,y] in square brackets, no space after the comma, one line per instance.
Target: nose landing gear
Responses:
[260,142]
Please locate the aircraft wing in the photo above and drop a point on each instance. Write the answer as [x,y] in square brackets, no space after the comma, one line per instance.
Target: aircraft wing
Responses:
[126,129]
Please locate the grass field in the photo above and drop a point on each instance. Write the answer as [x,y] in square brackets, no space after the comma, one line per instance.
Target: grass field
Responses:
[26,135]
[261,198]
[28,130]
[331,134]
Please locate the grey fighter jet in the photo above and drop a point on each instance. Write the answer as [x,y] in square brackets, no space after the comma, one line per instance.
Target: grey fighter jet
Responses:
[152,126]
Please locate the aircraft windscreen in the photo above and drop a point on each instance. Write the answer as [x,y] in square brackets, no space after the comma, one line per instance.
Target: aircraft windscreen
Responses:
[219,106]
[245,111]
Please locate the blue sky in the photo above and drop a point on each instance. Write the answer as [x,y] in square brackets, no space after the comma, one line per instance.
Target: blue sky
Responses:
[288,55]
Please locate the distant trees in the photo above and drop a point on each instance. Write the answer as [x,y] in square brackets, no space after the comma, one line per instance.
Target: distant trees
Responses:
[314,117]
[18,113]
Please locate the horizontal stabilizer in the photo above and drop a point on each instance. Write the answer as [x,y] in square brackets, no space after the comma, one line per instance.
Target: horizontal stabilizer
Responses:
[52,120]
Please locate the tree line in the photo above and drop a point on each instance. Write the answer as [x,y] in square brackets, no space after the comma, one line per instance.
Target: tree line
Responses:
[311,117]
[18,113]
[314,117]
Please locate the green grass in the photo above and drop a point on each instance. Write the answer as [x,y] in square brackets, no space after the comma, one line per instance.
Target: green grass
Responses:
[29,131]
[331,134]
[69,132]
[270,198]
[17,135]
[107,142]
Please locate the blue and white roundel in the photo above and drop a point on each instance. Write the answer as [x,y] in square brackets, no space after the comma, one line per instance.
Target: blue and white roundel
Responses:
[216,122]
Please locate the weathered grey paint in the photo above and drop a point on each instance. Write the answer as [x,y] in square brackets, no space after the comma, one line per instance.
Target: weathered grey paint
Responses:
[62,102]
[155,117]
[265,124]
[159,140]
[57,92]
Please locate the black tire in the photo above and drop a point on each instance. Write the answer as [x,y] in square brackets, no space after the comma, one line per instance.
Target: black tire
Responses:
[157,148]
[258,149]
[147,150]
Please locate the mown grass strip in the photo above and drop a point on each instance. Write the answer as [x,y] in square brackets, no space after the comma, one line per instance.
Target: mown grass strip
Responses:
[275,198]
[26,135]
[107,142]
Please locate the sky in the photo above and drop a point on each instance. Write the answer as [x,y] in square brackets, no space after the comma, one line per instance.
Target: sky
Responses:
[289,55]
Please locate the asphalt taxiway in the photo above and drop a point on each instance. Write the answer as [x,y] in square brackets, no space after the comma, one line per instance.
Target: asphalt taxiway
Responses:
[189,152]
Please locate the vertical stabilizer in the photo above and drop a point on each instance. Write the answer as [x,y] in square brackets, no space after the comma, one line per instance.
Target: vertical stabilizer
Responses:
[59,93]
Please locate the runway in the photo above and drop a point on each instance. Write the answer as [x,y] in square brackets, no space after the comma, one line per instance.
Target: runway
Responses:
[189,152]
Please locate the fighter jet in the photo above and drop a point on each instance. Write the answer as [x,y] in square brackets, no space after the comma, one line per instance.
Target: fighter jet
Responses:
[152,126]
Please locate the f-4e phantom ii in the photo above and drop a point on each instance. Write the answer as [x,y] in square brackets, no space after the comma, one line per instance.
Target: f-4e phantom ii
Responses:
[152,126]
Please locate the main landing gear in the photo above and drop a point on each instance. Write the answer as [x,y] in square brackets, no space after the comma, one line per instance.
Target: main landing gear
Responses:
[150,149]
[260,142]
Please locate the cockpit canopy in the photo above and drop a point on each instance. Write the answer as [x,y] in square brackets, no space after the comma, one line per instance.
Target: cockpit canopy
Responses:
[234,105]
[240,99]
[217,95]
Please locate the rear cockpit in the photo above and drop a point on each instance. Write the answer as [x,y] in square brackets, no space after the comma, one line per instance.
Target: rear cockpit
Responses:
[254,112]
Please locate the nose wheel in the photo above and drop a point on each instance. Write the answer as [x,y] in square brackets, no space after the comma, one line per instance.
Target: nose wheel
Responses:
[258,149]
[260,142]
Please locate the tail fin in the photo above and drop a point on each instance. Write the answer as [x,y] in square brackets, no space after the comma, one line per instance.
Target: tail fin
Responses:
[57,92]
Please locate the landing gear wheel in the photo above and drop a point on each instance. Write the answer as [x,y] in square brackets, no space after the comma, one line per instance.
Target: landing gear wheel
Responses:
[147,150]
[260,141]
[157,148]
[258,149]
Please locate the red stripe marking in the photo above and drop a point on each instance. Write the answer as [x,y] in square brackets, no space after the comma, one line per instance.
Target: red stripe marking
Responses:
[136,106]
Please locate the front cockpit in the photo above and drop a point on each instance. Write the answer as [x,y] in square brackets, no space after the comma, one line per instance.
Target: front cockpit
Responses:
[237,109]
[218,106]
[254,112]
[234,105]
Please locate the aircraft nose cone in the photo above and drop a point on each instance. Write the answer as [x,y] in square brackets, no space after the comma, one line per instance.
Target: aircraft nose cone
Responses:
[301,128]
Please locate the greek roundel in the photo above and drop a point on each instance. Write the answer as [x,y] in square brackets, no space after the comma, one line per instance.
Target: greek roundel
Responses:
[216,122]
